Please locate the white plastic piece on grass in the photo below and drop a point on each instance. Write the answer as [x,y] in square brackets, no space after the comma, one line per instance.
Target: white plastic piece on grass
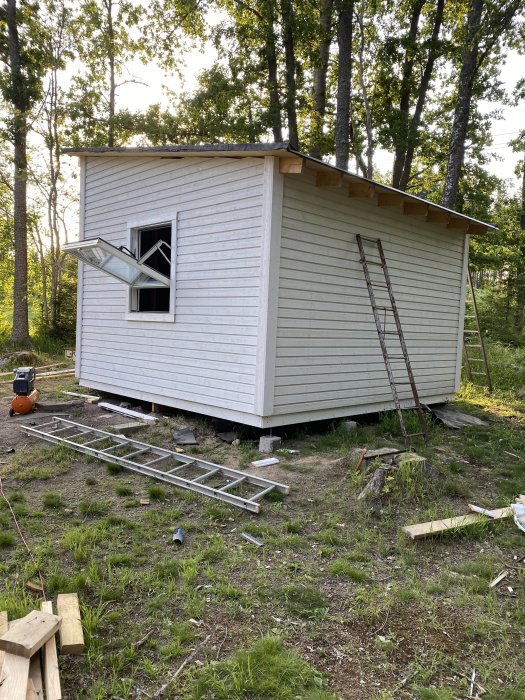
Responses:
[519,515]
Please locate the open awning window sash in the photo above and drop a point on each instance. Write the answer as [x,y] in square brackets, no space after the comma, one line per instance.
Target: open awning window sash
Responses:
[118,263]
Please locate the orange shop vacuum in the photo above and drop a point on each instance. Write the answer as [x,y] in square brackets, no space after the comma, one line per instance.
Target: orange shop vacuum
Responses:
[26,395]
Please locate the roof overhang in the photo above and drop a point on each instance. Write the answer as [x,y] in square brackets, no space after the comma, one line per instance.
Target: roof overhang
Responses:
[327,176]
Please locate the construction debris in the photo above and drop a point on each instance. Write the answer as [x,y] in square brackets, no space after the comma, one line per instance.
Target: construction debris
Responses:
[453,418]
[126,411]
[88,398]
[381,452]
[374,488]
[129,427]
[228,437]
[265,462]
[25,672]
[498,579]
[178,536]
[482,511]
[436,527]
[71,635]
[518,510]
[185,436]
[269,443]
[57,373]
[252,539]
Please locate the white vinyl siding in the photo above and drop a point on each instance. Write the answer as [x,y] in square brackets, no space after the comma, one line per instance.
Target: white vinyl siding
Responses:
[208,354]
[328,357]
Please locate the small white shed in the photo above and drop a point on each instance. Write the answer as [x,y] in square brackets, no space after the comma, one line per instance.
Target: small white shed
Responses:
[226,280]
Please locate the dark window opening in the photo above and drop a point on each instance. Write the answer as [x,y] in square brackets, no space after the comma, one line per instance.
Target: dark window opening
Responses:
[154,299]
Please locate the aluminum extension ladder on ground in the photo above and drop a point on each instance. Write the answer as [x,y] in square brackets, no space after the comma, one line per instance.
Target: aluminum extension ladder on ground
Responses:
[474,354]
[382,333]
[178,469]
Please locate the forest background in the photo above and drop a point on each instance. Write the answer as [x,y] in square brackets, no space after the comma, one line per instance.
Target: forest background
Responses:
[415,85]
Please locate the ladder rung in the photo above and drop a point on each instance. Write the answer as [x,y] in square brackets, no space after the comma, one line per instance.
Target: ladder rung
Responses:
[204,476]
[469,345]
[476,359]
[479,374]
[158,459]
[137,452]
[180,468]
[413,434]
[112,447]
[232,484]
[262,493]
[469,331]
[90,442]
[373,262]
[470,317]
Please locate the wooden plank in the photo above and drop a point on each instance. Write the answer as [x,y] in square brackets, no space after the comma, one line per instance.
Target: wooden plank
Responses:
[71,634]
[14,677]
[31,693]
[291,166]
[58,373]
[30,633]
[4,626]
[415,208]
[328,178]
[360,189]
[51,672]
[87,397]
[35,677]
[436,527]
[437,216]
[389,199]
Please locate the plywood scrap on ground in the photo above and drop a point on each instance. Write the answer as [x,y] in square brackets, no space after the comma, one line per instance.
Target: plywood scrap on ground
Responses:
[71,634]
[29,634]
[436,527]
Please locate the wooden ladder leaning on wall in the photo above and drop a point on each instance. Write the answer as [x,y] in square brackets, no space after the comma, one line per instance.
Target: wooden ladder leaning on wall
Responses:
[390,307]
[475,359]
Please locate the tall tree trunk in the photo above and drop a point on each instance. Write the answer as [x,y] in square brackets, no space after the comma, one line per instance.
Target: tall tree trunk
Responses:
[291,87]
[405,92]
[344,83]
[421,98]
[519,319]
[319,78]
[273,80]
[20,331]
[369,172]
[112,86]
[469,66]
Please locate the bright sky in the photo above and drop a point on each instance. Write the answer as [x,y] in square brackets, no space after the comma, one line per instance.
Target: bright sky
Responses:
[504,129]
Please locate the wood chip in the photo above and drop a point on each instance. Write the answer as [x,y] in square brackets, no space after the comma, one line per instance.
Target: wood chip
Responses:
[498,579]
[265,462]
[436,527]
[34,587]
[71,634]
[30,633]
[144,501]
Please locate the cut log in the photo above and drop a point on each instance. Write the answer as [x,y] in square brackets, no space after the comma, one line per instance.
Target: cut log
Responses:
[30,634]
[71,634]
[14,677]
[375,486]
[51,673]
[436,527]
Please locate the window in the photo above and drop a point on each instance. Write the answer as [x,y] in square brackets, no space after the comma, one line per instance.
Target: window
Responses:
[153,247]
[146,264]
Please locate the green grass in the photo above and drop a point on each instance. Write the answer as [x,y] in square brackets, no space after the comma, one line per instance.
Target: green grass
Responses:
[93,509]
[267,670]
[52,500]
[157,493]
[124,490]
[7,540]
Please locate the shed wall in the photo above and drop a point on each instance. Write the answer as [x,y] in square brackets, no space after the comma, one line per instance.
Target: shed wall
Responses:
[207,357]
[328,358]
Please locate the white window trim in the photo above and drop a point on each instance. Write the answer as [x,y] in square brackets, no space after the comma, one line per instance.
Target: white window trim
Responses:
[159,218]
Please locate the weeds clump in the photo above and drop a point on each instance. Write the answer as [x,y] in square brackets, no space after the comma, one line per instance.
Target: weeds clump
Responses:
[52,500]
[267,670]
[157,493]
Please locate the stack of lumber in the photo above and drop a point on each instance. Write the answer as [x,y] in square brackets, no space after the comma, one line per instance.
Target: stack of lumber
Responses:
[28,649]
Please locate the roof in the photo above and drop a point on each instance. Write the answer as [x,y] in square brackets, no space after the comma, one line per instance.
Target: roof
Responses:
[293,161]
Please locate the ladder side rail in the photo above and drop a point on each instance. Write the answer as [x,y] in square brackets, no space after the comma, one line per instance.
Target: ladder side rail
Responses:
[480,335]
[380,333]
[187,460]
[402,341]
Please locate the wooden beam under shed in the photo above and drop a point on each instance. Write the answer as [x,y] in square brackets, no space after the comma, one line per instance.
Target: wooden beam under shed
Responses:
[389,199]
[291,166]
[360,189]
[415,208]
[328,178]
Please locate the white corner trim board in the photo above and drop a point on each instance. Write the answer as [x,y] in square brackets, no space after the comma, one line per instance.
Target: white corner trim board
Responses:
[127,412]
